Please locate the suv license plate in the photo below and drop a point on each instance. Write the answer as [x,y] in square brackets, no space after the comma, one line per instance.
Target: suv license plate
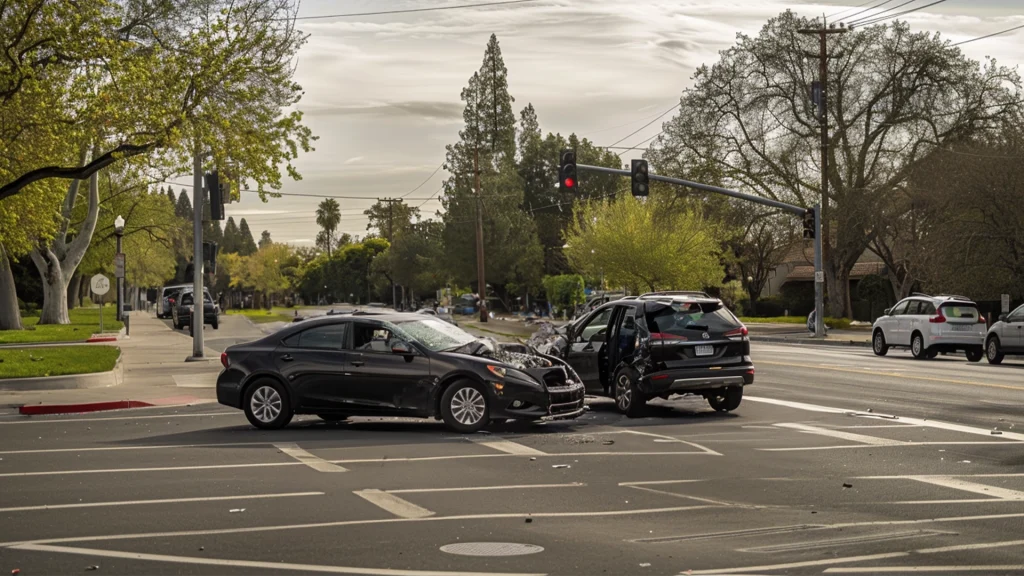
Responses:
[705,350]
[961,327]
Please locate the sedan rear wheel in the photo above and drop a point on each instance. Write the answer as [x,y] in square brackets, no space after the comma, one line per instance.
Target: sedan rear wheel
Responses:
[464,407]
[266,405]
[917,347]
[993,353]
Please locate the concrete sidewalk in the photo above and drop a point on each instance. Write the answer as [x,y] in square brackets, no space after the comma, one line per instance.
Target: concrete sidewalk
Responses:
[155,371]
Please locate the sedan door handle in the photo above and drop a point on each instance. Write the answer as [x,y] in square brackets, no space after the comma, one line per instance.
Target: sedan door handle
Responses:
[357,362]
[287,358]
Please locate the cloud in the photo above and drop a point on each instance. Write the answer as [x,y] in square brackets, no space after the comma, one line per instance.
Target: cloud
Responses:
[444,111]
[353,160]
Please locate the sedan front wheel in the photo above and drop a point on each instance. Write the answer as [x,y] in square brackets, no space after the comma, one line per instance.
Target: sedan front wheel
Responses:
[464,407]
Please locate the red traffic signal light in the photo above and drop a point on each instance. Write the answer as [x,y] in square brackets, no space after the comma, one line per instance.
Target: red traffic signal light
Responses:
[567,171]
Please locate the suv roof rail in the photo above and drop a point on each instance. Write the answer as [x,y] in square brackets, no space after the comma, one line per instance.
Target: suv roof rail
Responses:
[921,294]
[954,297]
[677,293]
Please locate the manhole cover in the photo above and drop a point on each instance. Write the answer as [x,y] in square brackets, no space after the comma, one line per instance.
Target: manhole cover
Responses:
[491,549]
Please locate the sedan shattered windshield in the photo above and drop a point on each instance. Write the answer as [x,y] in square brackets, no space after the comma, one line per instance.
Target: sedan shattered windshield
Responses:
[434,334]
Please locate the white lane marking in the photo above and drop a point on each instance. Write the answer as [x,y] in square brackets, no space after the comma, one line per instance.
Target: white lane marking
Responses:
[474,488]
[1006,435]
[825,562]
[252,529]
[508,447]
[705,449]
[904,477]
[657,482]
[35,420]
[919,569]
[687,497]
[274,566]
[112,448]
[314,462]
[904,444]
[967,501]
[852,437]
[398,506]
[978,546]
[160,501]
[158,469]
[973,487]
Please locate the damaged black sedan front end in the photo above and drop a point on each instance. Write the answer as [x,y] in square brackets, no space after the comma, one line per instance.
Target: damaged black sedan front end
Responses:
[392,364]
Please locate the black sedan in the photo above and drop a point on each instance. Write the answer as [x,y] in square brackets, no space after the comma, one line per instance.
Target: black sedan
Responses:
[393,364]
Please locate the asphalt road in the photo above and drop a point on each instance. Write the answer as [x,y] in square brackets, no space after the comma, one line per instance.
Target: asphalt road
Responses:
[802,479]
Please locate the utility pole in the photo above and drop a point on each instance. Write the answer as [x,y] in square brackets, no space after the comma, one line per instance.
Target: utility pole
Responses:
[391,239]
[480,280]
[198,202]
[821,240]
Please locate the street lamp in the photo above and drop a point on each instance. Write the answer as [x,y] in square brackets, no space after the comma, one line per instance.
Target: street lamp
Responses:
[119,267]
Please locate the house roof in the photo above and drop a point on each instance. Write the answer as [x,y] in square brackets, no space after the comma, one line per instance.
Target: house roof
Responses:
[860,270]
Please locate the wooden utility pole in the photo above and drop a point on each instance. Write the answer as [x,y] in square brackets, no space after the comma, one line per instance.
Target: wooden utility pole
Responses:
[822,211]
[391,240]
[480,279]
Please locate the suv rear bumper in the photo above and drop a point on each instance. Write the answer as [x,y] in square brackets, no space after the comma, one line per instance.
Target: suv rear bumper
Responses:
[693,379]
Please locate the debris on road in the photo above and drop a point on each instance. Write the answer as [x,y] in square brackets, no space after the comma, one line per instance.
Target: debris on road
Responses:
[561,466]
[529,520]
[847,485]
[234,510]
[645,564]
[93,567]
[532,458]
[608,442]
[16,571]
[965,461]
[995,432]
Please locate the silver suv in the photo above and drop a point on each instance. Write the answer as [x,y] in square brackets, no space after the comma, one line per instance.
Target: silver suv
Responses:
[1005,336]
[928,325]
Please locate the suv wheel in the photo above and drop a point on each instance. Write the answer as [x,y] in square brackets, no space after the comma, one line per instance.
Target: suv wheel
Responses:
[725,399]
[993,352]
[464,407]
[628,397]
[266,405]
[878,344]
[917,346]
[974,354]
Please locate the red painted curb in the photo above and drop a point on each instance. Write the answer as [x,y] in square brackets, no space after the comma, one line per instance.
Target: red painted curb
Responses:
[102,339]
[76,408]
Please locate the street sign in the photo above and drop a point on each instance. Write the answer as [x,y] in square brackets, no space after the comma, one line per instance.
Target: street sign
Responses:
[819,277]
[1006,303]
[119,265]
[100,284]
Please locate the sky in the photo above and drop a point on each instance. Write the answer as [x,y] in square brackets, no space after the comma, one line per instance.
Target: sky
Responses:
[382,92]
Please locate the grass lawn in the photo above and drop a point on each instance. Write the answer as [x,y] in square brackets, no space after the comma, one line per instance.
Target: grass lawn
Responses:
[56,360]
[261,316]
[84,323]
[839,323]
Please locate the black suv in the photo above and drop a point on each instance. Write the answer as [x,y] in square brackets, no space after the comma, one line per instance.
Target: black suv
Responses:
[181,311]
[660,344]
[393,364]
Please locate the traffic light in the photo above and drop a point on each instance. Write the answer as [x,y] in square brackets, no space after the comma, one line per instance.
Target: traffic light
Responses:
[641,178]
[567,180]
[809,224]
[217,195]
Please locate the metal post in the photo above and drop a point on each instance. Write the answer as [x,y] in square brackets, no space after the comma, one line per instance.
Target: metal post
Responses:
[198,201]
[119,280]
[819,278]
[480,277]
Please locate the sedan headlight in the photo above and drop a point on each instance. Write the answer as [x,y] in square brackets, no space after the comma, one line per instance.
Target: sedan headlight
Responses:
[497,370]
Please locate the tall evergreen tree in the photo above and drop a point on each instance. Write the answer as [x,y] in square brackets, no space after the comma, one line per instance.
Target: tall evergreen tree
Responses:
[170,196]
[229,242]
[496,103]
[183,208]
[246,245]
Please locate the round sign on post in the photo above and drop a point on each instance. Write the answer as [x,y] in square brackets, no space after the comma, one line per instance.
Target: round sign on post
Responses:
[100,284]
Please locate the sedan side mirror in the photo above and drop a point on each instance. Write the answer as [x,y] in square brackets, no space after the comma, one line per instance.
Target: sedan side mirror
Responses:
[1002,317]
[886,311]
[399,347]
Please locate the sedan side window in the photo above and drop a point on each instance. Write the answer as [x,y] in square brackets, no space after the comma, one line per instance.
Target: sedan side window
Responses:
[371,338]
[1017,315]
[597,329]
[330,337]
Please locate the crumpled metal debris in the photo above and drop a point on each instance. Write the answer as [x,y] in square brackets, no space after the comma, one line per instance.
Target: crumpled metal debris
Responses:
[547,339]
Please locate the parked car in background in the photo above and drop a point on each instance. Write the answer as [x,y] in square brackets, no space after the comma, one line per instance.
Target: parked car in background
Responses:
[928,325]
[393,364]
[164,306]
[183,304]
[658,345]
[1005,336]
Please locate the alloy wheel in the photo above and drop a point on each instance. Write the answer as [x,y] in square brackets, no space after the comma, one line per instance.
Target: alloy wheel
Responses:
[266,404]
[917,346]
[623,392]
[993,349]
[878,342]
[468,406]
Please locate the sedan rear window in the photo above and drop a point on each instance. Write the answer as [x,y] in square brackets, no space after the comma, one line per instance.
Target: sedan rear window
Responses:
[964,311]
[685,318]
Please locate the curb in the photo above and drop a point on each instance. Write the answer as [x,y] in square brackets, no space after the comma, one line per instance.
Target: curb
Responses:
[107,379]
[79,408]
[810,342]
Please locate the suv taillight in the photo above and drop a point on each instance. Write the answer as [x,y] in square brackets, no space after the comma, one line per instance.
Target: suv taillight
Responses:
[171,300]
[981,319]
[224,359]
[937,319]
[741,331]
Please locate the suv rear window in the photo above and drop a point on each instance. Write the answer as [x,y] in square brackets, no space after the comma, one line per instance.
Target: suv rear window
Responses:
[685,318]
[963,311]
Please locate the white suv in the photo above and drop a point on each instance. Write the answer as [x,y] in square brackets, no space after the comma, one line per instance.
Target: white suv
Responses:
[1006,336]
[929,325]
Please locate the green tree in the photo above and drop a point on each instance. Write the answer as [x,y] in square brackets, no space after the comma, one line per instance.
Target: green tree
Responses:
[895,96]
[246,244]
[644,247]
[495,104]
[183,208]
[565,291]
[265,238]
[328,215]
[231,237]
[390,218]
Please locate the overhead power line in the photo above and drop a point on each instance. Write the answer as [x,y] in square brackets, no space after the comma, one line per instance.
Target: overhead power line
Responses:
[989,35]
[410,10]
[633,133]
[852,21]
[834,14]
[868,9]
[424,182]
[877,20]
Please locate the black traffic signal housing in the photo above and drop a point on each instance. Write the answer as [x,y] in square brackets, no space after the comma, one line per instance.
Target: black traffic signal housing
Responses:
[210,255]
[217,195]
[641,178]
[567,179]
[809,224]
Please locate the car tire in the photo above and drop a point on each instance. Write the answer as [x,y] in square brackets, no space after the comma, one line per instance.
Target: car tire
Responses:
[464,407]
[628,397]
[917,347]
[993,351]
[931,354]
[266,405]
[974,354]
[333,417]
[216,323]
[878,345]
[725,399]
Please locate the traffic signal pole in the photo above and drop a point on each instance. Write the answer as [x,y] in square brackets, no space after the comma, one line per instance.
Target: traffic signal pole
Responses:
[198,202]
[819,308]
